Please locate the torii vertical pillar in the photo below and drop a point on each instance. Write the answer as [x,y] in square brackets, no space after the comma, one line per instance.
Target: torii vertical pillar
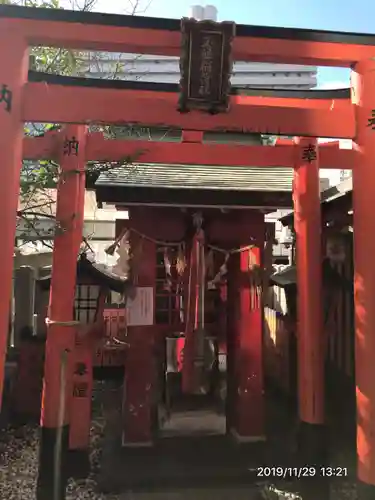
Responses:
[245,309]
[363,96]
[249,426]
[310,332]
[13,74]
[57,387]
[82,360]
[140,370]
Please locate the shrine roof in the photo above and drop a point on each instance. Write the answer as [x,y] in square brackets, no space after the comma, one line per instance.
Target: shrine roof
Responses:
[333,199]
[95,272]
[287,277]
[196,185]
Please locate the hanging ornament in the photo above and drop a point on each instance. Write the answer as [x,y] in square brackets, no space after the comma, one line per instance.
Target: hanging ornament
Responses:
[256,280]
[168,270]
[268,250]
[335,248]
[122,266]
[219,277]
[136,257]
[193,372]
[181,259]
[210,264]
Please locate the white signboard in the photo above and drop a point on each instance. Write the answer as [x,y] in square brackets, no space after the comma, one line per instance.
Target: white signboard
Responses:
[140,310]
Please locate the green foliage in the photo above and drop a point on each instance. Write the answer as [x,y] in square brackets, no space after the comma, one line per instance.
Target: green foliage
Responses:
[51,59]
[269,140]
[39,177]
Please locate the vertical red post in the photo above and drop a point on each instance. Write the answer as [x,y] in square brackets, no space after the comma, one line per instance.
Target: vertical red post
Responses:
[310,332]
[57,385]
[247,367]
[139,382]
[363,88]
[80,407]
[82,361]
[249,415]
[13,75]
[191,370]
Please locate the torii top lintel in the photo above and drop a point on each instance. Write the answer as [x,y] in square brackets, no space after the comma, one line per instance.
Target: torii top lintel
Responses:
[147,35]
[60,99]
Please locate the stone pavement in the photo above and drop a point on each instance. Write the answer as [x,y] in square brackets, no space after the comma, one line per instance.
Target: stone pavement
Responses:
[197,494]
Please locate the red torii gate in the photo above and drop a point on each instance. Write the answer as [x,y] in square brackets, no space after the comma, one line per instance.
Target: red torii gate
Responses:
[22,100]
[72,102]
[190,151]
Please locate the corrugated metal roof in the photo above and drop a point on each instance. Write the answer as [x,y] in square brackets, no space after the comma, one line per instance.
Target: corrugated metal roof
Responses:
[284,277]
[344,188]
[200,177]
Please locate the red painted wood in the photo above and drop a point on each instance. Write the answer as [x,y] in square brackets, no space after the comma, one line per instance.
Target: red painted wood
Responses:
[91,36]
[59,337]
[310,331]
[364,269]
[14,66]
[248,358]
[27,390]
[309,117]
[192,136]
[244,323]
[82,356]
[80,405]
[139,387]
[140,371]
[191,153]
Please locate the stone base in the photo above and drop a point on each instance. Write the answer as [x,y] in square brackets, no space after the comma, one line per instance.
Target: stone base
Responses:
[365,491]
[312,444]
[78,465]
[53,454]
[136,444]
[246,439]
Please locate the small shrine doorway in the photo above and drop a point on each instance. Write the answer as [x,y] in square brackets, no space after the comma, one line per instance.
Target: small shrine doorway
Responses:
[200,273]
[202,411]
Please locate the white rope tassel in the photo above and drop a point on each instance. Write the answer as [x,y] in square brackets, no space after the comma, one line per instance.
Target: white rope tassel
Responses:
[220,275]
[49,322]
[203,282]
[198,220]
[123,250]
[168,270]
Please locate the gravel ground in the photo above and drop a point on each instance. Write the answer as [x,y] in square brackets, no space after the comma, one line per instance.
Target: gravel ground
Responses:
[19,465]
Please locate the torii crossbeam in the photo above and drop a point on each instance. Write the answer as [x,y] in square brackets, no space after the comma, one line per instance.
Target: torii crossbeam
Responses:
[43,98]
[187,151]
[57,99]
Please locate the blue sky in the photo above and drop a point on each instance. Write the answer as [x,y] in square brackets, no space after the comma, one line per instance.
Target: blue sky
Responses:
[337,15]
